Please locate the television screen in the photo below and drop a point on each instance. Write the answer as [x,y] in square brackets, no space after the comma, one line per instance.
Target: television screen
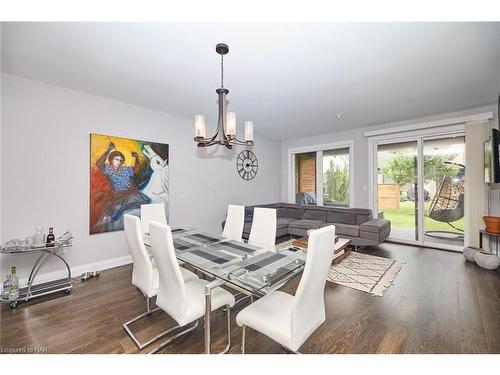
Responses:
[492,158]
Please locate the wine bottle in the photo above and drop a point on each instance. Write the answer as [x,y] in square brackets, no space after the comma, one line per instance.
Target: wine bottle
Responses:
[51,238]
[6,288]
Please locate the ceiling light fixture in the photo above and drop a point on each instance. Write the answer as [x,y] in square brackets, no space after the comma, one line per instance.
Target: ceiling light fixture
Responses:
[226,124]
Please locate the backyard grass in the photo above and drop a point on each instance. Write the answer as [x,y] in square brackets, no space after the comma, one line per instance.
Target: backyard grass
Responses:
[406,218]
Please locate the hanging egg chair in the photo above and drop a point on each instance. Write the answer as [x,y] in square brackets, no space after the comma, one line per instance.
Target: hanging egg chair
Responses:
[447,206]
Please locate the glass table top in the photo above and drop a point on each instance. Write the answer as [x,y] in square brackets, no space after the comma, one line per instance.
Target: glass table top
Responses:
[255,269]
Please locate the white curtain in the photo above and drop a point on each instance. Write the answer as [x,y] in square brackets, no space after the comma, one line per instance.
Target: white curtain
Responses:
[476,190]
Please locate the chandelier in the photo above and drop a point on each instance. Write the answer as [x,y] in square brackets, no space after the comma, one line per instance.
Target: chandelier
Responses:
[226,124]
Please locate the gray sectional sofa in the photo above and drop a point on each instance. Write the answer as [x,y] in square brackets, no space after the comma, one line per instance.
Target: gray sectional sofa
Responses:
[296,219]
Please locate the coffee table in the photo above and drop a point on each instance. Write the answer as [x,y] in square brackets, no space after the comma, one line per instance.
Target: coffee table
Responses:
[341,247]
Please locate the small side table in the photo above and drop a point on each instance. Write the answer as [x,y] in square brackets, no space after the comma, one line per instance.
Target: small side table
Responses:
[341,247]
[483,232]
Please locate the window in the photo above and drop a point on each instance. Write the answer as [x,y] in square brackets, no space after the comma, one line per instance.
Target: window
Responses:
[336,177]
[305,178]
[321,175]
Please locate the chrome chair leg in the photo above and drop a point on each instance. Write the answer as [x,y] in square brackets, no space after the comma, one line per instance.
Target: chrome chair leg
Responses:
[148,312]
[170,339]
[242,299]
[243,342]
[243,338]
[289,351]
[177,335]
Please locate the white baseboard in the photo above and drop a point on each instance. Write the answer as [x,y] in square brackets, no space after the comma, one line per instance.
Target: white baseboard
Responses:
[78,270]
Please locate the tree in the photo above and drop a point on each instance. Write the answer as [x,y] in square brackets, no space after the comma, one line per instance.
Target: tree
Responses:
[336,185]
[435,168]
[402,168]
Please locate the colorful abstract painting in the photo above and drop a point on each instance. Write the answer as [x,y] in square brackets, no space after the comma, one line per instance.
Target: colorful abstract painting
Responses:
[124,174]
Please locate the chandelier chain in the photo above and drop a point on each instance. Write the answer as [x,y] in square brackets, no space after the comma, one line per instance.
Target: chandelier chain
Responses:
[222,71]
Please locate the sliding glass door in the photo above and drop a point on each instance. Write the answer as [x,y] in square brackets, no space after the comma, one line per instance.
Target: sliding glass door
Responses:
[444,190]
[397,188]
[419,187]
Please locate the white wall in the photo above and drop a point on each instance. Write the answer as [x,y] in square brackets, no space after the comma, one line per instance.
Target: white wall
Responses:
[45,168]
[361,158]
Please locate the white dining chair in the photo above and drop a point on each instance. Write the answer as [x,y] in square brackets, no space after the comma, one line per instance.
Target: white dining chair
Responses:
[152,212]
[263,231]
[290,320]
[183,300]
[144,274]
[235,220]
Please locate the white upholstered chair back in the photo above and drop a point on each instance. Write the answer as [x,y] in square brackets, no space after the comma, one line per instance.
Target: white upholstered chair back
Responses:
[235,220]
[171,295]
[263,232]
[152,212]
[142,267]
[308,310]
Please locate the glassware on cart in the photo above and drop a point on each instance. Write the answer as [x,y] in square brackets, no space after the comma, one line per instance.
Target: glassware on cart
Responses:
[39,237]
[23,245]
[64,238]
[12,245]
[6,287]
[30,240]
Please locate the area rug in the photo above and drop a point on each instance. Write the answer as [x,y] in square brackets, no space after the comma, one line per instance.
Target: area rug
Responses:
[368,273]
[364,272]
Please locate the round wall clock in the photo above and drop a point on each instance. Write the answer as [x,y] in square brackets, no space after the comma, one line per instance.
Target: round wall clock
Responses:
[247,164]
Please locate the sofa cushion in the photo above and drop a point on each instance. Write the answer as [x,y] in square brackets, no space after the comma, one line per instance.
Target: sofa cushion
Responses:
[312,214]
[306,224]
[346,230]
[294,213]
[375,225]
[283,222]
[362,218]
[375,237]
[247,227]
[341,216]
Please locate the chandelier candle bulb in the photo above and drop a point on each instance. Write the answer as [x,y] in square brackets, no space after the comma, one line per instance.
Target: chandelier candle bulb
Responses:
[231,124]
[248,131]
[200,129]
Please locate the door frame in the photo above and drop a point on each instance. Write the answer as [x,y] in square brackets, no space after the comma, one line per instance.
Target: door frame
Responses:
[418,136]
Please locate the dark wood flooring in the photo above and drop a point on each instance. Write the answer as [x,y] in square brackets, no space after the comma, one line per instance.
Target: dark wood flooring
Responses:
[439,303]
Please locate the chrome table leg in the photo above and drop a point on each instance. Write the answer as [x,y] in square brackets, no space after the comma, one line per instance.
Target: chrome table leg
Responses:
[228,346]
[208,309]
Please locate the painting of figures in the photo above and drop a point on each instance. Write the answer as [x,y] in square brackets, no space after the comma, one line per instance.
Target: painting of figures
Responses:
[124,174]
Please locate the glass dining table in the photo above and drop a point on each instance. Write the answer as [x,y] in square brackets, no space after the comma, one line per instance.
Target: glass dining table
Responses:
[251,270]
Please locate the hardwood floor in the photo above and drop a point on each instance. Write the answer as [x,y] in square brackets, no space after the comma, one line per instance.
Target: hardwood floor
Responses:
[439,303]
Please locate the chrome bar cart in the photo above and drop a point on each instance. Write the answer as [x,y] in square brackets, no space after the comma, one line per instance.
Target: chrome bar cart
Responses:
[33,290]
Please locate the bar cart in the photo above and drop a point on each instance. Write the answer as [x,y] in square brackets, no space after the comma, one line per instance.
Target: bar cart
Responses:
[37,290]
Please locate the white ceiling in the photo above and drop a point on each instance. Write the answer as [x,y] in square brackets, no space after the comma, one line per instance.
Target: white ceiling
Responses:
[291,79]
